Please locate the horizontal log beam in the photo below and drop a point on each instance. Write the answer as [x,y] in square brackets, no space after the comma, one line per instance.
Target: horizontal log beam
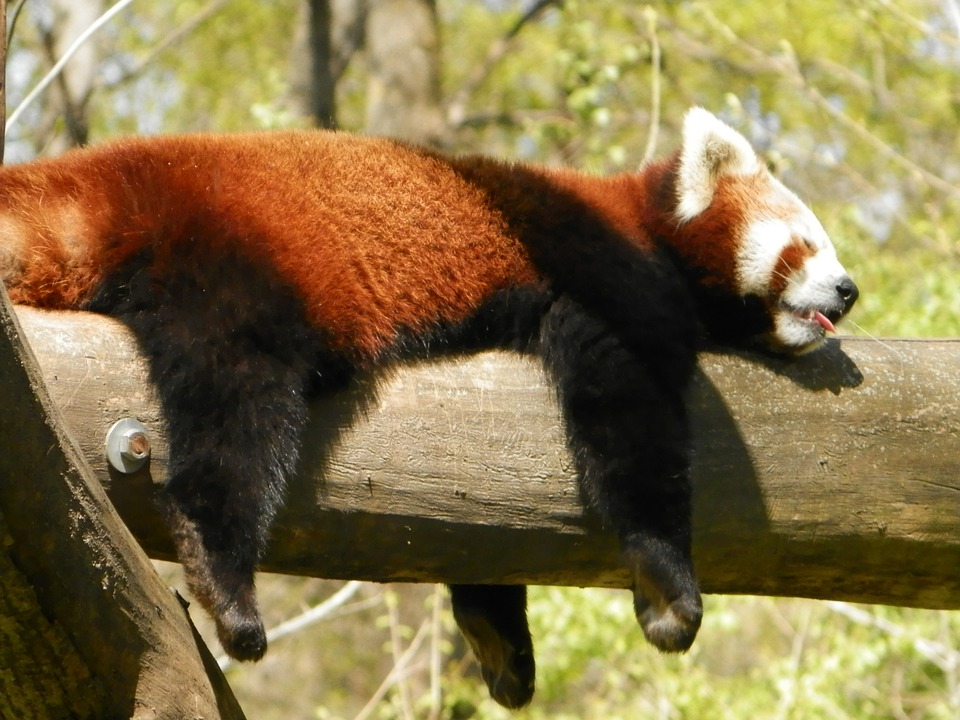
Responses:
[831,476]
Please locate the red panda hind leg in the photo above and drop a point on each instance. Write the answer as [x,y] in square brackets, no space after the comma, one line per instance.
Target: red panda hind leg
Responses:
[493,619]
[231,355]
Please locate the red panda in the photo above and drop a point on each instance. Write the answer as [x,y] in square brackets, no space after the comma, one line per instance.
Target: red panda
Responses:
[257,269]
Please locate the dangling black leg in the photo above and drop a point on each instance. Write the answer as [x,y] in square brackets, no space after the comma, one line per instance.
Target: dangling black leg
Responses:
[233,442]
[493,619]
[230,352]
[627,428]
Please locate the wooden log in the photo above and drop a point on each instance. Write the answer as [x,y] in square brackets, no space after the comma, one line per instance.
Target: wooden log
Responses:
[87,629]
[829,476]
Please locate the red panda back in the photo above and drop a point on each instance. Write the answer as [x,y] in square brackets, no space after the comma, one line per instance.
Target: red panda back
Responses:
[373,236]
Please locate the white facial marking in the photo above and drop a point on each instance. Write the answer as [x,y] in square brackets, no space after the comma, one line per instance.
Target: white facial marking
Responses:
[815,284]
[808,288]
[711,149]
[758,255]
[789,220]
[811,289]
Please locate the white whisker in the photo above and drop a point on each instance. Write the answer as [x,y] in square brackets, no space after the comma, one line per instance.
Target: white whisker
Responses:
[887,346]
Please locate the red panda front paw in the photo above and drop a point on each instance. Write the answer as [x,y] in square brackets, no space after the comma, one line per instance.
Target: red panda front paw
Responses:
[242,635]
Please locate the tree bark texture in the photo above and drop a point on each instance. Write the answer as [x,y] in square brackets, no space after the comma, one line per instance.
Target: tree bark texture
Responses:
[830,476]
[87,630]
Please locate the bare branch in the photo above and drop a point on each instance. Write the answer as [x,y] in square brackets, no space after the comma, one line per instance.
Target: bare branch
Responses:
[322,611]
[398,673]
[456,108]
[650,16]
[436,697]
[202,15]
[943,656]
[789,69]
[61,63]
[14,16]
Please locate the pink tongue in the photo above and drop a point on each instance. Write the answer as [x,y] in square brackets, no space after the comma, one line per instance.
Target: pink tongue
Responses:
[824,321]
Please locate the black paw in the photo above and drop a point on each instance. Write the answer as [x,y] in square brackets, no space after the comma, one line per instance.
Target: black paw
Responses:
[508,670]
[510,681]
[666,598]
[242,637]
[670,627]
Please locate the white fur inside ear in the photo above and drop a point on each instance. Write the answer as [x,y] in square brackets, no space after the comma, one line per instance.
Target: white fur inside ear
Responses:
[711,149]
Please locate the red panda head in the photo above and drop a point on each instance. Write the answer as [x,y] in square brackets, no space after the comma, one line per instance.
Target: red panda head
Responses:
[750,238]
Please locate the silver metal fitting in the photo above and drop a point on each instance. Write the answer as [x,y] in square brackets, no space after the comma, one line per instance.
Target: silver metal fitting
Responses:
[127,445]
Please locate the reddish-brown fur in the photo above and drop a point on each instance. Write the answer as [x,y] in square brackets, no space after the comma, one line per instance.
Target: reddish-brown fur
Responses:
[424,246]
[704,241]
[791,259]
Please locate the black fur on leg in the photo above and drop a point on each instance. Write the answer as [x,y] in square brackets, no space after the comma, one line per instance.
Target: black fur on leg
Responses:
[493,619]
[666,598]
[231,354]
[626,424]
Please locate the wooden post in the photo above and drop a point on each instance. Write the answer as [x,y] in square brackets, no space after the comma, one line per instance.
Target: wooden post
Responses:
[831,476]
[87,629]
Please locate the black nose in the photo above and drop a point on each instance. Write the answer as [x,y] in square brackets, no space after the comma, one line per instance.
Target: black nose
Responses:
[848,292]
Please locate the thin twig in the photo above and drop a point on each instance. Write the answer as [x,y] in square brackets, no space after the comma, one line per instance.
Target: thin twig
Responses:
[397,672]
[954,9]
[650,15]
[172,38]
[790,70]
[61,63]
[789,688]
[321,611]
[456,108]
[944,657]
[436,636]
[393,613]
[925,27]
[14,15]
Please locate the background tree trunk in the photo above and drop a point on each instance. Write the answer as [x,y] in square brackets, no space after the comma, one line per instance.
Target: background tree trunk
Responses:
[72,88]
[313,75]
[403,58]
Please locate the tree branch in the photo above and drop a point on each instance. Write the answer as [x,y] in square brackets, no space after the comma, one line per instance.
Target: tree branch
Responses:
[832,476]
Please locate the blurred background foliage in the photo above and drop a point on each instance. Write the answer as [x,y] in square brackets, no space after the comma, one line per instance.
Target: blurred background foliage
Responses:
[855,103]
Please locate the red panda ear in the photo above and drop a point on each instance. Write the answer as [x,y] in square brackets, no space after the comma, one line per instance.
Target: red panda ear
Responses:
[711,149]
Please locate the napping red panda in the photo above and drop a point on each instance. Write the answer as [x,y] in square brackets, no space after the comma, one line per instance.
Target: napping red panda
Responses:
[256,269]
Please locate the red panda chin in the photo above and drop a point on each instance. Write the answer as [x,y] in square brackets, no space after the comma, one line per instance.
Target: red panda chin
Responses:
[799,331]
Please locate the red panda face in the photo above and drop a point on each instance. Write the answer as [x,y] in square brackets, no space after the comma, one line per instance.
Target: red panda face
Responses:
[749,236]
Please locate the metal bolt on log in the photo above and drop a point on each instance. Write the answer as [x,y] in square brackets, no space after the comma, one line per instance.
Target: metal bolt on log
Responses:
[127,445]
